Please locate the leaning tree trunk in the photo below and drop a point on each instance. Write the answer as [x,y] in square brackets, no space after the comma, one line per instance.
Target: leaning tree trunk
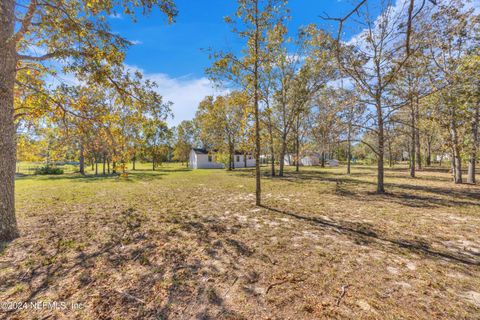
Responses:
[473,151]
[8,222]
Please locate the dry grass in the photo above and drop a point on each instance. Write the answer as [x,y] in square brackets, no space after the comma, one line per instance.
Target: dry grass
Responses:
[179,244]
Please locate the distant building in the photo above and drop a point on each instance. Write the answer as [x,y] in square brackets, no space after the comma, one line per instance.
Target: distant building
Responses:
[332,163]
[310,159]
[203,159]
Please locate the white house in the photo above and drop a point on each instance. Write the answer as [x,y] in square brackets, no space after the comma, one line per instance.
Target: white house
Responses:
[239,160]
[202,159]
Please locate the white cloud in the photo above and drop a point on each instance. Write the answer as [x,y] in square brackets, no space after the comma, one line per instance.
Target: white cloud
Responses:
[116,16]
[184,92]
[135,42]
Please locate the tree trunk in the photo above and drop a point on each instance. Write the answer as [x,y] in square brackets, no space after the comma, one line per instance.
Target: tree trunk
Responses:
[133,162]
[418,153]
[390,155]
[297,145]
[457,160]
[283,150]
[429,152]
[8,222]
[323,159]
[245,159]
[230,156]
[82,159]
[233,156]
[104,166]
[349,148]
[272,152]
[258,191]
[381,142]
[413,142]
[108,165]
[473,151]
[96,166]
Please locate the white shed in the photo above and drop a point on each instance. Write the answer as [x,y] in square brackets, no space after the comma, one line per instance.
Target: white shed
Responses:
[202,159]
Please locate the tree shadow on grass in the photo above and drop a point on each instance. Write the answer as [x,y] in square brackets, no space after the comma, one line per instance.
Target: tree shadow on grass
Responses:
[3,246]
[162,169]
[127,244]
[365,234]
[133,176]
[409,196]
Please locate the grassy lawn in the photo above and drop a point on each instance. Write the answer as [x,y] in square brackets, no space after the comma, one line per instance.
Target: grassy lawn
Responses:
[181,244]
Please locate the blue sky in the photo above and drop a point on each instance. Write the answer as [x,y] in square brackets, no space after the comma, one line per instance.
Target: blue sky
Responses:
[172,54]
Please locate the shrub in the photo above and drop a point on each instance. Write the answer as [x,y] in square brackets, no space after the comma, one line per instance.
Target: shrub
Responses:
[48,170]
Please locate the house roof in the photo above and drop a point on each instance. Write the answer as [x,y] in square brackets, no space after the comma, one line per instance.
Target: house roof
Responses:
[200,151]
[205,151]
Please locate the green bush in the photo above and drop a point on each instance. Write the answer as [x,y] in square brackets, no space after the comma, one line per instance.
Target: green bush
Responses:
[48,170]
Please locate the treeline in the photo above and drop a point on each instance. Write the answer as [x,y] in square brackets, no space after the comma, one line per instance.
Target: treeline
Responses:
[404,87]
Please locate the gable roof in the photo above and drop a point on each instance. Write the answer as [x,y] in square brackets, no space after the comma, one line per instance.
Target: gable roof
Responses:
[200,151]
[205,151]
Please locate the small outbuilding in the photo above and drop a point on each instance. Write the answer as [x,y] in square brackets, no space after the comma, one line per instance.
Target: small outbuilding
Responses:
[204,159]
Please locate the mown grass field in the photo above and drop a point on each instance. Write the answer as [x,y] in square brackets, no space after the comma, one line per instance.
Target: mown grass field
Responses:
[182,244]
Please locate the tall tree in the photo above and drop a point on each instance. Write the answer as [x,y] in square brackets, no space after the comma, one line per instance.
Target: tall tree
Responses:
[373,62]
[451,37]
[185,139]
[253,20]
[73,32]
